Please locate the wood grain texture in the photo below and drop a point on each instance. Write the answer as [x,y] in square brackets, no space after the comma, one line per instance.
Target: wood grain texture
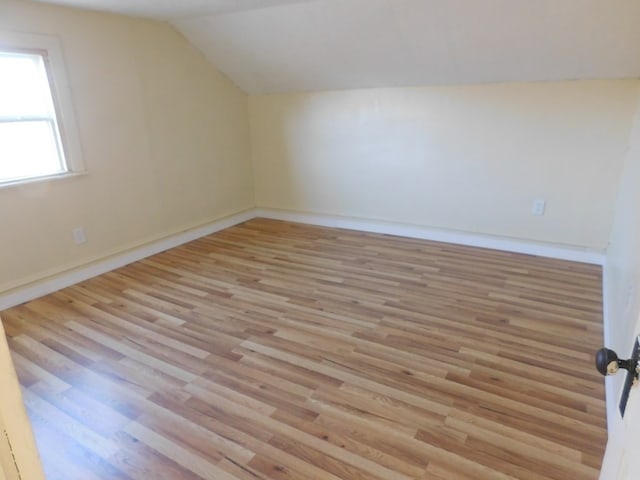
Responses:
[274,350]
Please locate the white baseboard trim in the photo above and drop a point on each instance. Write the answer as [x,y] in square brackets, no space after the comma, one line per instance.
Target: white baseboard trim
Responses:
[541,249]
[66,279]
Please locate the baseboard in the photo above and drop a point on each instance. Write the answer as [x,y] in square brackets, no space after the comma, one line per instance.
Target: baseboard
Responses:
[541,249]
[66,279]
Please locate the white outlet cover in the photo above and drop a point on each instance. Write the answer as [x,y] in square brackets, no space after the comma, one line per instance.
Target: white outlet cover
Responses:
[79,236]
[538,207]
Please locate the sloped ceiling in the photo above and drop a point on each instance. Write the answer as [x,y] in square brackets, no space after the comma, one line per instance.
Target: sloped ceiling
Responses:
[171,9]
[275,46]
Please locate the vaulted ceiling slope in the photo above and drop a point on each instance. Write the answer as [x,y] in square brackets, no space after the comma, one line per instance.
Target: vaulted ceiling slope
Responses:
[276,46]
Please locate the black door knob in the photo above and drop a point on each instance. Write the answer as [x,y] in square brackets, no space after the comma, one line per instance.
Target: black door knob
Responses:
[608,363]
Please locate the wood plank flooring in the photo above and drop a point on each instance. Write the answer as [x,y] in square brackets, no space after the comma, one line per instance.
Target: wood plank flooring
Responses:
[280,351]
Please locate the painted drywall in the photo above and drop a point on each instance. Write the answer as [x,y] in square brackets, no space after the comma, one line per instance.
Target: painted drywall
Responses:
[165,139]
[344,44]
[622,266]
[467,158]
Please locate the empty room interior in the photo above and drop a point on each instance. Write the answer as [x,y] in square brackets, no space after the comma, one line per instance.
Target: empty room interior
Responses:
[319,239]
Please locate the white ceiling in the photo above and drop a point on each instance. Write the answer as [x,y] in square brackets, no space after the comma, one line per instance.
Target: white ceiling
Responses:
[274,46]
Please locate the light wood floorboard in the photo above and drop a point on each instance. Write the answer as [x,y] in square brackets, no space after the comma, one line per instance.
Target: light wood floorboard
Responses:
[274,350]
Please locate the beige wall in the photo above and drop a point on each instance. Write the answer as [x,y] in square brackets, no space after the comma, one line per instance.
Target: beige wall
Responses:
[165,138]
[164,135]
[470,158]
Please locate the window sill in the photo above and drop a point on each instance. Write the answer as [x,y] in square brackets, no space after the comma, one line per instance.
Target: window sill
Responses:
[47,178]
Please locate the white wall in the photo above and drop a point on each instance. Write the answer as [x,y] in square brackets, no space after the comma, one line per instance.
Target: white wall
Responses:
[469,158]
[622,268]
[165,139]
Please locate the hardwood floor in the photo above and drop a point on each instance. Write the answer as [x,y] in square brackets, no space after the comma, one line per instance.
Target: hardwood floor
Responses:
[281,351]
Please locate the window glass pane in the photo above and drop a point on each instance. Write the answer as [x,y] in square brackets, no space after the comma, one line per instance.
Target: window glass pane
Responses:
[24,87]
[29,137]
[28,149]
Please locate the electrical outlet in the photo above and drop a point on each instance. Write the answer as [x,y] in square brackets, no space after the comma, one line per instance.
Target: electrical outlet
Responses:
[79,236]
[538,207]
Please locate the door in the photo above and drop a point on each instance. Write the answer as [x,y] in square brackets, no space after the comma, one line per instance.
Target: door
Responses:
[622,459]
[19,458]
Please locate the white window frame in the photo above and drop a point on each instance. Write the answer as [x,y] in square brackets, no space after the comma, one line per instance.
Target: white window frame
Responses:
[50,48]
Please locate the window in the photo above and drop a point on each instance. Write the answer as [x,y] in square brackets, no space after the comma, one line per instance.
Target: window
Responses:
[36,122]
[30,143]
